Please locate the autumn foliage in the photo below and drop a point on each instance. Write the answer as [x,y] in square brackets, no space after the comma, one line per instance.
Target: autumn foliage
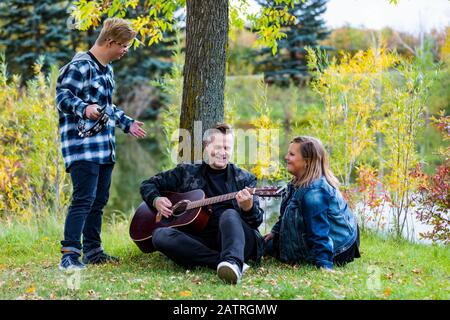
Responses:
[32,178]
[434,192]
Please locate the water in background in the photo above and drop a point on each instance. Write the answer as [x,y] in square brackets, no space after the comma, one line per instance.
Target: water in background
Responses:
[384,223]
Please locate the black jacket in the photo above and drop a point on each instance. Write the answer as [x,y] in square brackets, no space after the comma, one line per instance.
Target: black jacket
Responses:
[187,177]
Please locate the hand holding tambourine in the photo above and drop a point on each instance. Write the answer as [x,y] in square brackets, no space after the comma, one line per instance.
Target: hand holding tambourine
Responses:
[97,120]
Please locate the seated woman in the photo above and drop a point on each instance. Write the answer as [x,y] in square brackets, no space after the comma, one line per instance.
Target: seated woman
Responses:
[316,225]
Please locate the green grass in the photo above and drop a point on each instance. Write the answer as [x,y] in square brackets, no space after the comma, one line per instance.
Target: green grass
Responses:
[388,269]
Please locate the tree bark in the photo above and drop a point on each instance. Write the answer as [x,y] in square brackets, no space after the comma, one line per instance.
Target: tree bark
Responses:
[204,70]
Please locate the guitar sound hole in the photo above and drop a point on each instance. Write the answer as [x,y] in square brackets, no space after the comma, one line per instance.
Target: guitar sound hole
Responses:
[178,213]
[180,208]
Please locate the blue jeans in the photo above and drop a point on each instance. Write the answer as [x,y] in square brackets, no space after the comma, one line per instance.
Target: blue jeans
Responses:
[91,183]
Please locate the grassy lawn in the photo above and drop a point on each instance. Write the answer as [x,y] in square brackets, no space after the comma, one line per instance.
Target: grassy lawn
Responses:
[388,269]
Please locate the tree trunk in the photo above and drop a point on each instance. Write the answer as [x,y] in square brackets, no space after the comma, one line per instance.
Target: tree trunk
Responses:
[204,71]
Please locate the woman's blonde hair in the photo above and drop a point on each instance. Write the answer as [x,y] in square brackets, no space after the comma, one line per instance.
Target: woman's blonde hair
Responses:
[316,159]
[116,29]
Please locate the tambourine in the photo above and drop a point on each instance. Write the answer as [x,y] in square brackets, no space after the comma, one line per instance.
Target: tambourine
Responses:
[89,128]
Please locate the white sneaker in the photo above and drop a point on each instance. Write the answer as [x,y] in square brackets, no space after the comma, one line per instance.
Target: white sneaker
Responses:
[245,267]
[229,272]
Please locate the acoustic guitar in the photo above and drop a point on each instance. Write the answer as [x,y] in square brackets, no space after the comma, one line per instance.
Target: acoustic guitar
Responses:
[189,213]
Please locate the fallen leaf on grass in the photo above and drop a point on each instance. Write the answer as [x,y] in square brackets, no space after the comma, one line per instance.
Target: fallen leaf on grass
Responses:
[307,282]
[261,292]
[418,282]
[387,292]
[185,293]
[31,290]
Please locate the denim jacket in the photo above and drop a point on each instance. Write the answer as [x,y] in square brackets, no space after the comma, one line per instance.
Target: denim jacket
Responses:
[315,224]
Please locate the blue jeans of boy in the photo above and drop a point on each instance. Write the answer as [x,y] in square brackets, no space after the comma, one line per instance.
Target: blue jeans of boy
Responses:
[91,183]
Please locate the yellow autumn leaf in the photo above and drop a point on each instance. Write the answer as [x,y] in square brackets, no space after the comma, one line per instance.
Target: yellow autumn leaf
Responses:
[387,292]
[185,293]
[31,290]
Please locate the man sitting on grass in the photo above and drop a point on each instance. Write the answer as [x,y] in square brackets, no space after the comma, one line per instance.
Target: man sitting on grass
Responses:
[231,236]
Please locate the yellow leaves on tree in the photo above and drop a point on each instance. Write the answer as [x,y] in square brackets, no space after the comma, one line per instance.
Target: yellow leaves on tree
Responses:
[159,15]
[263,155]
[31,171]
[373,104]
[350,92]
[445,49]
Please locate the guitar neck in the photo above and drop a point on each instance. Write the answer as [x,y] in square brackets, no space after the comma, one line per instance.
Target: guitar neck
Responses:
[209,201]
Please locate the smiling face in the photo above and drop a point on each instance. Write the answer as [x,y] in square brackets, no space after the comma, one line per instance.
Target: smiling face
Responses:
[296,165]
[218,152]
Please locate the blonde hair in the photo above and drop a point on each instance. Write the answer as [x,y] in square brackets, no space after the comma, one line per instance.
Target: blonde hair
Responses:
[116,29]
[316,159]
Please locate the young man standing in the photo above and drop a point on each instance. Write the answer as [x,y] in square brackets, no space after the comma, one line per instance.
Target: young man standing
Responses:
[84,86]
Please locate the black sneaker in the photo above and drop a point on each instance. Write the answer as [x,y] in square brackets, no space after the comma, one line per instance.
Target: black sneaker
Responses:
[99,258]
[69,261]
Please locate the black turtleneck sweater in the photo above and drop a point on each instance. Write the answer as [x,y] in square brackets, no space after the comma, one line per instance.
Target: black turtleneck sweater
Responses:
[215,186]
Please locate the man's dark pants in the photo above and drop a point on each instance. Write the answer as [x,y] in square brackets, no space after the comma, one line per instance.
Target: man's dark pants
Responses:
[91,183]
[235,242]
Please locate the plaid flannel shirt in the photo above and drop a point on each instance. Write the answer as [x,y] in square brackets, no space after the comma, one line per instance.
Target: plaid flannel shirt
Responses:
[81,83]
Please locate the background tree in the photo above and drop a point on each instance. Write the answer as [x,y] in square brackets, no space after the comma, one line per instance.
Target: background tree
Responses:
[207,28]
[144,64]
[32,28]
[371,94]
[33,181]
[289,63]
[204,69]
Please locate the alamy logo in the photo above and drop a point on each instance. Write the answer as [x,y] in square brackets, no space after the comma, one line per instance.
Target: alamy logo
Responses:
[373,278]
[73,280]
